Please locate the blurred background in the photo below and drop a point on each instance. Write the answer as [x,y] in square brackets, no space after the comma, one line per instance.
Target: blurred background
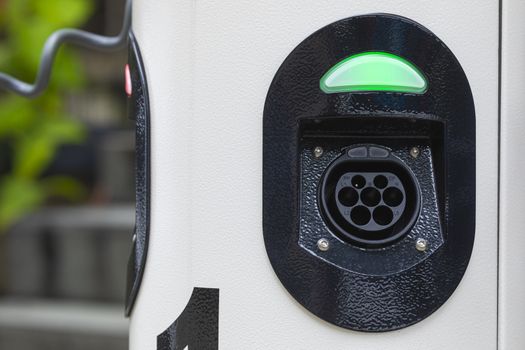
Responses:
[66,183]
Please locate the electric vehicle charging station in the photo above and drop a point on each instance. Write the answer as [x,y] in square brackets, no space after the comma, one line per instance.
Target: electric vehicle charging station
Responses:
[327,175]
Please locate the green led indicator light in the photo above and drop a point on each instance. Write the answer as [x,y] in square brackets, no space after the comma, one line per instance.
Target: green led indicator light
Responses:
[374,71]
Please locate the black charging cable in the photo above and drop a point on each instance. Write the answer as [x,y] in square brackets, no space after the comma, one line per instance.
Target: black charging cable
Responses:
[53,43]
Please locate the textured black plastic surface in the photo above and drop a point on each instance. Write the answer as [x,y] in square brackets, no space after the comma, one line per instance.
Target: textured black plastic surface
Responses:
[198,325]
[138,109]
[345,285]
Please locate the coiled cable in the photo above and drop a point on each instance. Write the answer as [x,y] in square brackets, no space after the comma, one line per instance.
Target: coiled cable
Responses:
[53,43]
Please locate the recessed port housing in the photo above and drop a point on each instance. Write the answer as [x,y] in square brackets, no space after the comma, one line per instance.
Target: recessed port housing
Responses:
[369,192]
[369,197]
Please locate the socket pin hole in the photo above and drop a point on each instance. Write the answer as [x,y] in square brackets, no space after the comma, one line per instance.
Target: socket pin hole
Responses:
[383,215]
[370,197]
[348,196]
[380,181]
[358,181]
[360,215]
[393,196]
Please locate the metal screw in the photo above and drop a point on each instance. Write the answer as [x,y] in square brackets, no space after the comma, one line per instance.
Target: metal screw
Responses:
[323,244]
[134,238]
[318,152]
[421,244]
[415,152]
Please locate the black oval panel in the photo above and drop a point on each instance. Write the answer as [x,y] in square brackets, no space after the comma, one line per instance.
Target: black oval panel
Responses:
[372,302]
[139,110]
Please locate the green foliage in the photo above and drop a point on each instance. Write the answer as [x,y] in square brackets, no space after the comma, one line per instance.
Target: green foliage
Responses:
[34,129]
